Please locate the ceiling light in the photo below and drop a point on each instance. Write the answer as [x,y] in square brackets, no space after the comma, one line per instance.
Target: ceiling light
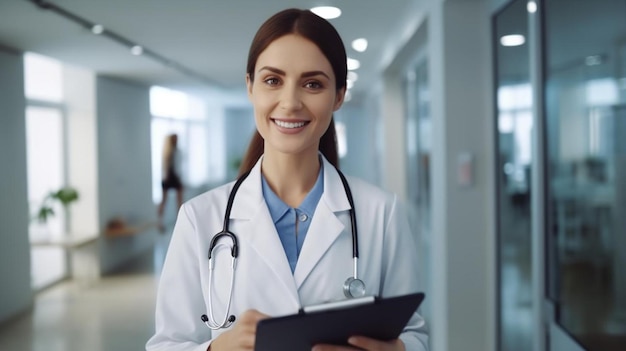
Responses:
[136,50]
[349,84]
[512,40]
[328,12]
[97,29]
[531,7]
[353,64]
[593,60]
[353,76]
[347,96]
[360,44]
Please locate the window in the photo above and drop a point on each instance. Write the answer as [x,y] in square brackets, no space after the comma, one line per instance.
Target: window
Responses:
[46,163]
[174,112]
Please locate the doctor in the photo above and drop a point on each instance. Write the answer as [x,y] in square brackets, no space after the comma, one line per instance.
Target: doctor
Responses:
[290,220]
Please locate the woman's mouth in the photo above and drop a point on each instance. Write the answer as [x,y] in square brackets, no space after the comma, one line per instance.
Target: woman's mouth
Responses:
[289,125]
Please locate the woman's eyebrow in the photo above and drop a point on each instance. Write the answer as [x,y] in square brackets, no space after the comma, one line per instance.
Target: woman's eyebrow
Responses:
[272,69]
[314,73]
[303,75]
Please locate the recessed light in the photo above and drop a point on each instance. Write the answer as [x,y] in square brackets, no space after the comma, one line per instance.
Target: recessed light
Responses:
[136,50]
[353,76]
[512,40]
[328,12]
[360,44]
[97,29]
[531,7]
[348,96]
[353,64]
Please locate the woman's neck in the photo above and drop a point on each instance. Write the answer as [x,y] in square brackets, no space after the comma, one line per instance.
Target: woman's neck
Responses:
[290,176]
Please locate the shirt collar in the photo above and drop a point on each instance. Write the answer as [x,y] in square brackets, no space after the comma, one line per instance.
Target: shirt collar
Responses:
[278,208]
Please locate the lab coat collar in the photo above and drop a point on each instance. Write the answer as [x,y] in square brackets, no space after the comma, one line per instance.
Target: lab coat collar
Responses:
[250,194]
[323,231]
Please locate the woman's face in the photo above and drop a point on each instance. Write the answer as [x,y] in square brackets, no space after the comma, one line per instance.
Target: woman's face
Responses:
[294,95]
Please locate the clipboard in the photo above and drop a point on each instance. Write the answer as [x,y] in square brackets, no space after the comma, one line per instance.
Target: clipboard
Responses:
[334,323]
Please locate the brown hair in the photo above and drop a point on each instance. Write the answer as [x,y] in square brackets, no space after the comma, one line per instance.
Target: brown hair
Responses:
[319,31]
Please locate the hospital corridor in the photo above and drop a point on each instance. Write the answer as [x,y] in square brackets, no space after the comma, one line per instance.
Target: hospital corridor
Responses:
[480,145]
[114,313]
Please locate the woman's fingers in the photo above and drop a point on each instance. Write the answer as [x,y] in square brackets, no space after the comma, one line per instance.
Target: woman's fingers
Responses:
[243,334]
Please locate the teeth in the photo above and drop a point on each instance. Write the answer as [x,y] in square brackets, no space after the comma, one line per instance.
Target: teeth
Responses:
[289,125]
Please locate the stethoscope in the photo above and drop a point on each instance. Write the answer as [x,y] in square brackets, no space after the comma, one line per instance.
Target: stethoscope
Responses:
[352,288]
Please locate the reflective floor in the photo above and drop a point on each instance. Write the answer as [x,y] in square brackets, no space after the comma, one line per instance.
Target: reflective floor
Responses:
[115,313]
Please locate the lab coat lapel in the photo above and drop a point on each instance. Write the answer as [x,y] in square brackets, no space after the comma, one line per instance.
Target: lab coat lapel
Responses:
[258,230]
[325,226]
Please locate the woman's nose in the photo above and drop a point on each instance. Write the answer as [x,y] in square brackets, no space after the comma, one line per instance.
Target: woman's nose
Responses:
[290,99]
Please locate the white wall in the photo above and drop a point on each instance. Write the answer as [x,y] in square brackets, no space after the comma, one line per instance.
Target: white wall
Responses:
[124,167]
[80,102]
[15,291]
[395,137]
[463,241]
[462,265]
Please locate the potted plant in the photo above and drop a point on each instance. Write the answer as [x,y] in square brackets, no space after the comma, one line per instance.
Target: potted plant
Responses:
[65,196]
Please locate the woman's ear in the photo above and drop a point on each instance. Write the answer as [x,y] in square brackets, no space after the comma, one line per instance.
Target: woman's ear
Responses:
[341,93]
[249,85]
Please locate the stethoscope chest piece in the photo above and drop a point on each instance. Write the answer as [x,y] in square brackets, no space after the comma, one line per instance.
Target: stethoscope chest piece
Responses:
[354,287]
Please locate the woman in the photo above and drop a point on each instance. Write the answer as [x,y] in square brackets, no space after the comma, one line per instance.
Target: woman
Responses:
[290,213]
[170,175]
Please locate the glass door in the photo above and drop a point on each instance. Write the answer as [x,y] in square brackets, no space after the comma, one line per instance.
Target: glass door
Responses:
[418,146]
[585,108]
[513,159]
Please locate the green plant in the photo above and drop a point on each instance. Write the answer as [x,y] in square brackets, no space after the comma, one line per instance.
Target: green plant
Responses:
[235,163]
[65,196]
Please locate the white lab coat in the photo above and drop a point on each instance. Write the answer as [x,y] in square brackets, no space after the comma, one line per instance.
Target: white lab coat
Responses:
[263,280]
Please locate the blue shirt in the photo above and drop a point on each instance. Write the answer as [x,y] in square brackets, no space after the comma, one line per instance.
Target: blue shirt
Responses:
[292,224]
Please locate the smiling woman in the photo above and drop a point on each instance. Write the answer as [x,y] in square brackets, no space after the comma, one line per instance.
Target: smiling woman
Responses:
[294,213]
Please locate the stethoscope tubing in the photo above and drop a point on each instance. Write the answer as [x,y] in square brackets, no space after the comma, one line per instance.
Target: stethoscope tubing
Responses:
[212,323]
[227,321]
[355,239]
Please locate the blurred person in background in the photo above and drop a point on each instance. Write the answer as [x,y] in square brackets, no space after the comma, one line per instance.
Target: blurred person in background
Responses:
[170,175]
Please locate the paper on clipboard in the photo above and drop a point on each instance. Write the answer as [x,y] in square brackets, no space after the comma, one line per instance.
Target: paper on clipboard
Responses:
[327,306]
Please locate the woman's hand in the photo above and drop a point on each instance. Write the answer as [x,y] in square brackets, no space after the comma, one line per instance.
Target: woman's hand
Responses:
[242,335]
[363,343]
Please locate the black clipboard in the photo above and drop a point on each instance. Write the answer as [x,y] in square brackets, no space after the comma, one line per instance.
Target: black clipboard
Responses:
[334,323]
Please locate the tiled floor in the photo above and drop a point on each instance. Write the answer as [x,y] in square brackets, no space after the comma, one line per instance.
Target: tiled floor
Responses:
[115,313]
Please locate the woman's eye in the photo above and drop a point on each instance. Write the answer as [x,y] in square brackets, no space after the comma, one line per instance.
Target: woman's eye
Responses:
[271,81]
[313,85]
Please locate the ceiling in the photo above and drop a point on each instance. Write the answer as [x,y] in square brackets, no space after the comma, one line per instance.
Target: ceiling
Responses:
[207,37]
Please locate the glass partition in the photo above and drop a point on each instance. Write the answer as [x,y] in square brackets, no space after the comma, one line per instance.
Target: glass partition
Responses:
[585,97]
[418,146]
[514,126]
